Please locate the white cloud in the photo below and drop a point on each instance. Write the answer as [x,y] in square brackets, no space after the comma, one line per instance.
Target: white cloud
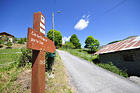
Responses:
[82,23]
[64,39]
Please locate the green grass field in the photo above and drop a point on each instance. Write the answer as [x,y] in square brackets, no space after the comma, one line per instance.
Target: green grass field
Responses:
[9,55]
[9,72]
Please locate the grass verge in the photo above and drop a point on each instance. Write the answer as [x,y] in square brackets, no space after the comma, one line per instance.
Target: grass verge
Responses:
[60,83]
[82,53]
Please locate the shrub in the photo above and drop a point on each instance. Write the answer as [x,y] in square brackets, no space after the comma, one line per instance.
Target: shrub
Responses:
[68,45]
[1,43]
[15,40]
[95,59]
[21,41]
[113,69]
[9,44]
[26,57]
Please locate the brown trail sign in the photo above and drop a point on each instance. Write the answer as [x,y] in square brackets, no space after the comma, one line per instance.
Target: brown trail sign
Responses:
[39,44]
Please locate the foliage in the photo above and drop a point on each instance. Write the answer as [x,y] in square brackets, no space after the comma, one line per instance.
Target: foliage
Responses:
[113,69]
[68,45]
[75,41]
[21,41]
[26,57]
[25,39]
[15,40]
[46,62]
[79,52]
[9,71]
[95,59]
[92,43]
[9,44]
[57,37]
[1,42]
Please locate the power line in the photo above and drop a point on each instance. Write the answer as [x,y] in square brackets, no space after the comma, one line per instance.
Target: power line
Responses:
[114,7]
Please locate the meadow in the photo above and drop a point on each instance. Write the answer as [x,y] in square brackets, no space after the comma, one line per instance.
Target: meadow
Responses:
[9,70]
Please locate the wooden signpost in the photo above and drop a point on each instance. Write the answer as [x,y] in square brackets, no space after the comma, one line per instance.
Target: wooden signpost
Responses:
[39,44]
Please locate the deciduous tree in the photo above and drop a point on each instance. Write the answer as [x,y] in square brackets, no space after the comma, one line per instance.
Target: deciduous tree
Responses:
[57,37]
[92,43]
[75,41]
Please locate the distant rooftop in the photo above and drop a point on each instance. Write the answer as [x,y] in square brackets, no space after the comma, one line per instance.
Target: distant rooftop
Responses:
[4,33]
[131,43]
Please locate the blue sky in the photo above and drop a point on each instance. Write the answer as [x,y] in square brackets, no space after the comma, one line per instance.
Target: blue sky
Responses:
[105,20]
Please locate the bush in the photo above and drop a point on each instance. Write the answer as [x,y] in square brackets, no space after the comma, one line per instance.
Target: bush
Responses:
[9,44]
[113,69]
[68,45]
[1,43]
[21,41]
[26,57]
[95,59]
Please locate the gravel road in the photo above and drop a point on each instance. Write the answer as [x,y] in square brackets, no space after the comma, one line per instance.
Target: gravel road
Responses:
[89,78]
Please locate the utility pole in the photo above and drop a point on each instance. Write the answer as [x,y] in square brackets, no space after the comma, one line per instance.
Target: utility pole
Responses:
[53,24]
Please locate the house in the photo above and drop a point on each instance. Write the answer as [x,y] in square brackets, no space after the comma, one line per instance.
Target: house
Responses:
[6,37]
[124,54]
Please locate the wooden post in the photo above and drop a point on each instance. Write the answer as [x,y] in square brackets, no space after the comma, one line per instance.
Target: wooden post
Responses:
[39,44]
[38,57]
[38,72]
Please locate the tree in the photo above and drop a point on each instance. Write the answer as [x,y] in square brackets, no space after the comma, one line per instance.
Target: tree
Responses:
[25,39]
[75,41]
[92,43]
[57,37]
[68,45]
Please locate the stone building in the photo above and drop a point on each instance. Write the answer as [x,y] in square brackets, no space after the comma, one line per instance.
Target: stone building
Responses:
[124,54]
[6,37]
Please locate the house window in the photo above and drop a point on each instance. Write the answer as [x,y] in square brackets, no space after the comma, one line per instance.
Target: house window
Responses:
[128,58]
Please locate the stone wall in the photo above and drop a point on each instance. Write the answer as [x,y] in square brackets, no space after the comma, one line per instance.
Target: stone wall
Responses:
[127,60]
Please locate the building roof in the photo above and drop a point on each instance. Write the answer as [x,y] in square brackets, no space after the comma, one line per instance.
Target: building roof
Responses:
[131,43]
[4,33]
